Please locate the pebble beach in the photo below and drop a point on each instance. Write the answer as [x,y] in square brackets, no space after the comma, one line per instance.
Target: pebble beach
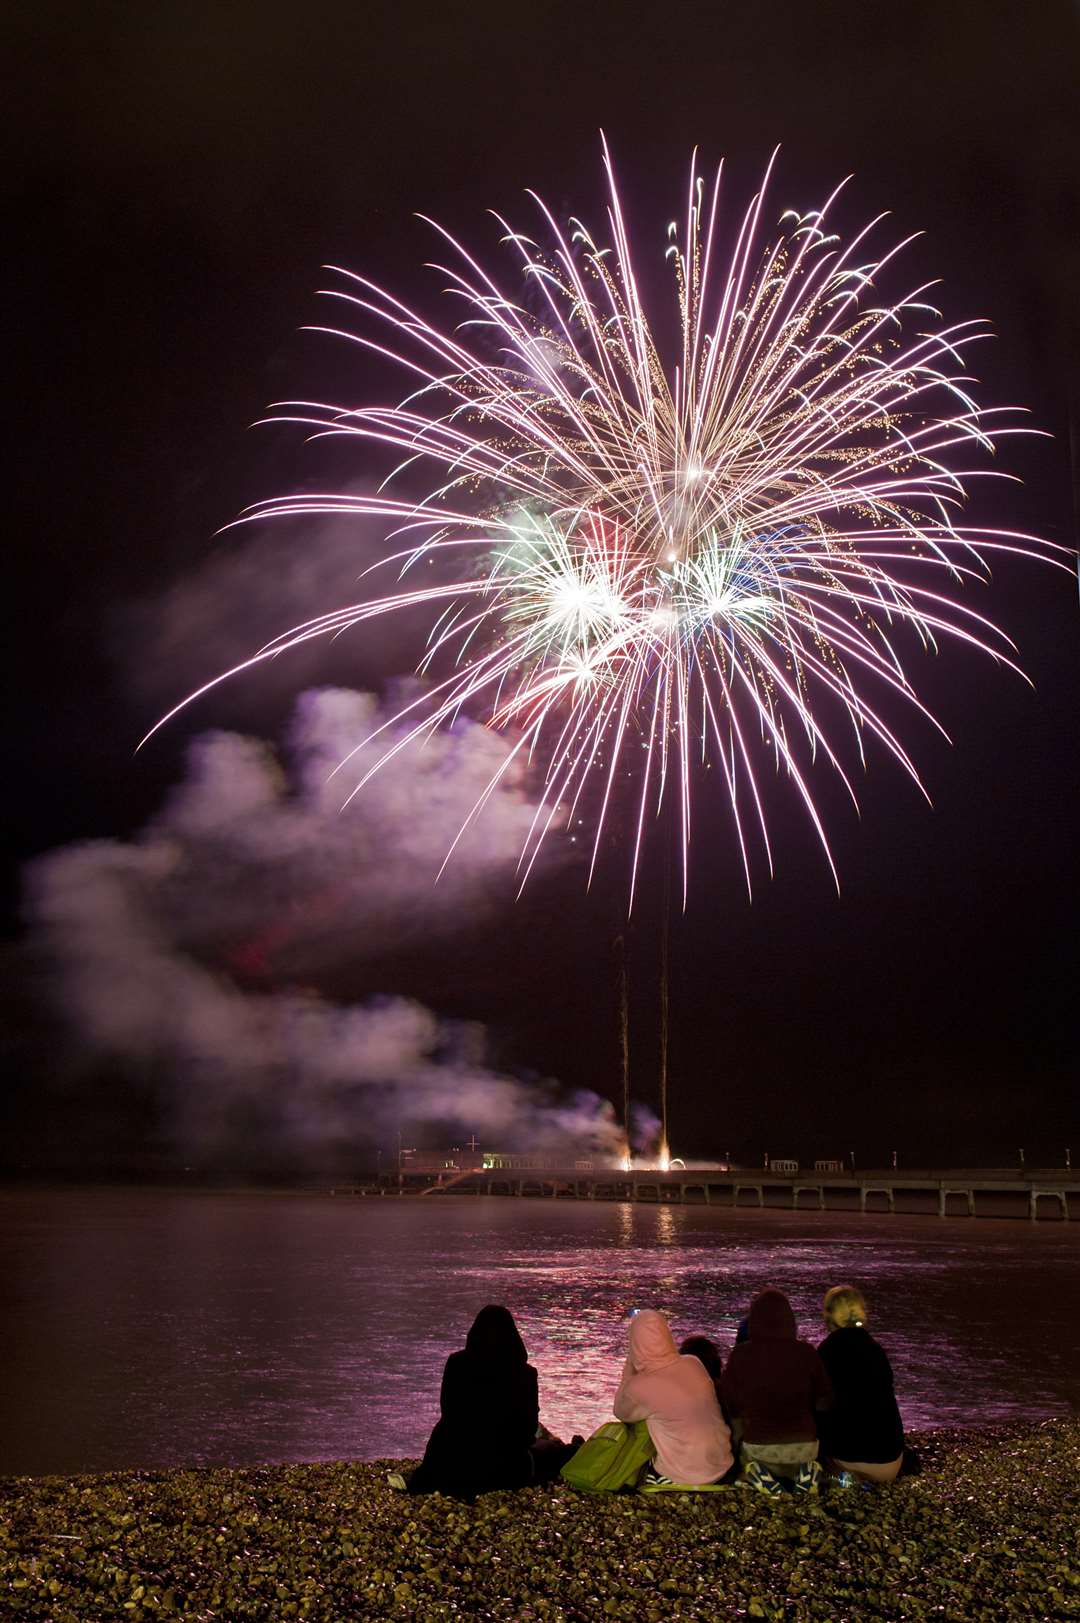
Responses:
[990,1530]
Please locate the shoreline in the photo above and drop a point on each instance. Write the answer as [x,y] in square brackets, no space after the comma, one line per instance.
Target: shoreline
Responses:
[988,1531]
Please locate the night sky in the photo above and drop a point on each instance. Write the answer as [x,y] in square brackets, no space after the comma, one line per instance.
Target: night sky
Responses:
[181,172]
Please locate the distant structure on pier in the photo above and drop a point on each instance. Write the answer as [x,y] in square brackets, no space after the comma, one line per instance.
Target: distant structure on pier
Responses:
[458,1162]
[436,1161]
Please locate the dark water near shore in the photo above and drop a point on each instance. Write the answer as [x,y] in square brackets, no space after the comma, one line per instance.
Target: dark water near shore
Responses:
[146,1329]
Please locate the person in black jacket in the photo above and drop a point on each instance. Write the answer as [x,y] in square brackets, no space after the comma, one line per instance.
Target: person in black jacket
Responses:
[486,1436]
[862,1432]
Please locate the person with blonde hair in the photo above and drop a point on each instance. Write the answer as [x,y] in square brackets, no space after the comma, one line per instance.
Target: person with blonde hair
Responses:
[863,1432]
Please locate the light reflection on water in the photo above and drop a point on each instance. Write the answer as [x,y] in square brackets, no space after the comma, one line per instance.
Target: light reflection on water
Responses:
[150,1329]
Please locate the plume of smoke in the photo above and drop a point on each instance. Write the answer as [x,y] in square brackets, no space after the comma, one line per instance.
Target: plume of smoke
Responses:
[252,585]
[262,856]
[644,1128]
[141,939]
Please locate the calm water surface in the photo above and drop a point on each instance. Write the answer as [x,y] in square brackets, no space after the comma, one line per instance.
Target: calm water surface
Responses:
[152,1329]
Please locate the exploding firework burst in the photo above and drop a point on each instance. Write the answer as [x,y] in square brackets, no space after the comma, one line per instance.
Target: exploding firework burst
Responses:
[638,566]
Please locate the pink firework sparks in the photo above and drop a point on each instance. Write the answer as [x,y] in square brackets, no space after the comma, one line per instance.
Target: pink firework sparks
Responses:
[642,564]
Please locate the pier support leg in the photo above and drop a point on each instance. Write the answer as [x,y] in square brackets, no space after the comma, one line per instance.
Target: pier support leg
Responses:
[1048,1194]
[757,1188]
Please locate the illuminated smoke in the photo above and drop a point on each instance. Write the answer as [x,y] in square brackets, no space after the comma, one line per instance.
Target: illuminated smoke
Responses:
[168,952]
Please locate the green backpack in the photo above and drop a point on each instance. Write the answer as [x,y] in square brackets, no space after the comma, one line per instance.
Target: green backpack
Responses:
[612,1458]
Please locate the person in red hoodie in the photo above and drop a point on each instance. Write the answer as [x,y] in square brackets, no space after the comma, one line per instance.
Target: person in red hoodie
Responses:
[774,1384]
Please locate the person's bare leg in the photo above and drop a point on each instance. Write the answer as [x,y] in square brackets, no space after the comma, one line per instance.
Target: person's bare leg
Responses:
[870,1471]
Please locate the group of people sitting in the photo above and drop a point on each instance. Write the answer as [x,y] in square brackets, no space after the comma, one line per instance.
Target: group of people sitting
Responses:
[772,1416]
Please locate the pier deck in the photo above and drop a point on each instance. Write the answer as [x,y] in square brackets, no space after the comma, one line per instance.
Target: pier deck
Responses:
[950,1192]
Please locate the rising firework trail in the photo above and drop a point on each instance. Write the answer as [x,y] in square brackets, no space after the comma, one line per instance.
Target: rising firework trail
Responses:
[664,1152]
[624,1051]
[641,565]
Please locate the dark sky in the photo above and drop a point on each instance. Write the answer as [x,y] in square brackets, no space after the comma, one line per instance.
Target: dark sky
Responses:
[179,174]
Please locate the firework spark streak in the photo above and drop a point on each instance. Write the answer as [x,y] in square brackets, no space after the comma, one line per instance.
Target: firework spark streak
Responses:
[637,567]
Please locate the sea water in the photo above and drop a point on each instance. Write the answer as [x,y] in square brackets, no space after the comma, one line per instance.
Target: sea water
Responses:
[152,1328]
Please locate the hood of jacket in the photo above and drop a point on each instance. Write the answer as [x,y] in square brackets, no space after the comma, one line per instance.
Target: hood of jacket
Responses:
[495,1337]
[652,1346]
[771,1318]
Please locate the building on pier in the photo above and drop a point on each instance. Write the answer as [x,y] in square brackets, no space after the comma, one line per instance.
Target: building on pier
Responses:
[496,1161]
[440,1165]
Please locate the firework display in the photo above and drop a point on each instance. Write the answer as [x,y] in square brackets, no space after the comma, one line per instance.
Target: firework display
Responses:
[641,566]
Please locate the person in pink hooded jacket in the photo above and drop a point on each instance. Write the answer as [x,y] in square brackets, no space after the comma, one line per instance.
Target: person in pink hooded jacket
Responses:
[676,1398]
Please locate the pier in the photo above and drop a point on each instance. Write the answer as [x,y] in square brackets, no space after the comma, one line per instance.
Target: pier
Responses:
[1039,1194]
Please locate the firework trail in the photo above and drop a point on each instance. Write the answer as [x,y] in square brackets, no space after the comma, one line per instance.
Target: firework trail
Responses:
[636,566]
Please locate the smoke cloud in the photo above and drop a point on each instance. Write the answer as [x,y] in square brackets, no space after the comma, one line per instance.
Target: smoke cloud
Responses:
[255,583]
[189,957]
